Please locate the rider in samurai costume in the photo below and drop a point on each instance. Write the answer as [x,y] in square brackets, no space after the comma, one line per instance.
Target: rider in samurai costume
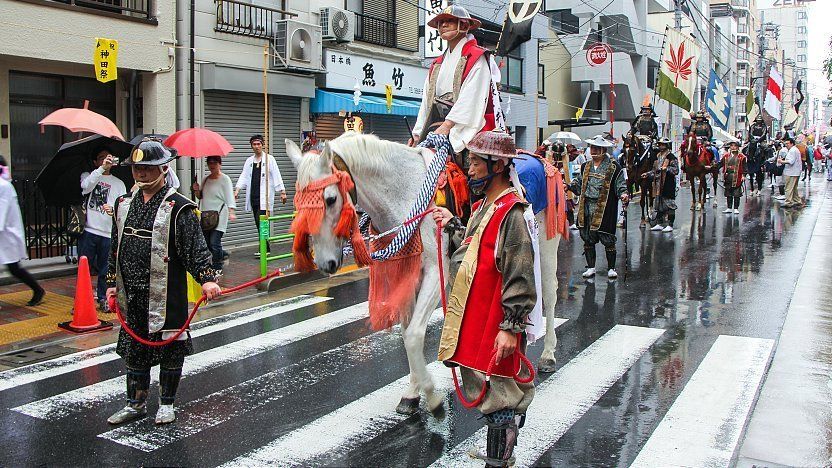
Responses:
[645,123]
[156,240]
[664,172]
[600,186]
[459,91]
[494,289]
[701,126]
[733,172]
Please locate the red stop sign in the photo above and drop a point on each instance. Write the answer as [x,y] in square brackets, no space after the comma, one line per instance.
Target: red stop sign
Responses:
[597,54]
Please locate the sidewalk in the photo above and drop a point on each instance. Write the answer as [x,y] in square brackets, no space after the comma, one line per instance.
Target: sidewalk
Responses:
[790,425]
[23,327]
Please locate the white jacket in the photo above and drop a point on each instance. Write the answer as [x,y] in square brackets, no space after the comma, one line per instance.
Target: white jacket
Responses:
[276,182]
[12,241]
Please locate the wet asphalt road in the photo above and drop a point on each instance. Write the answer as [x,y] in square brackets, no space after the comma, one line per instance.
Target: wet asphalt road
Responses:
[298,377]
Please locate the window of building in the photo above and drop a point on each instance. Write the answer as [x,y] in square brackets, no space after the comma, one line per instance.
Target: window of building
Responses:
[802,44]
[801,15]
[801,58]
[541,80]
[512,70]
[563,21]
[801,30]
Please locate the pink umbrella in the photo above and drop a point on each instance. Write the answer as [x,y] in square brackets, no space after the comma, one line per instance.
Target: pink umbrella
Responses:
[83,120]
[199,143]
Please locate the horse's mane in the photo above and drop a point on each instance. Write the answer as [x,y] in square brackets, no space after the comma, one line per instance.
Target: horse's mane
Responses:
[366,154]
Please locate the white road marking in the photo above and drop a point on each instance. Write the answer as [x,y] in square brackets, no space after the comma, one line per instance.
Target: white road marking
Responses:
[80,399]
[345,428]
[703,426]
[201,414]
[564,397]
[76,361]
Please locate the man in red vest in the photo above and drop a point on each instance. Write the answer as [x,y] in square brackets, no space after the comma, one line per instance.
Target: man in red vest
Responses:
[457,95]
[494,290]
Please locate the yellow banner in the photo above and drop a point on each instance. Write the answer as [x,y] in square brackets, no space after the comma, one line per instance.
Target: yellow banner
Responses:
[105,59]
[389,95]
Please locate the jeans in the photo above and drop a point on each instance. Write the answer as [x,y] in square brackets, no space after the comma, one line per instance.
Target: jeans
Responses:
[214,240]
[97,250]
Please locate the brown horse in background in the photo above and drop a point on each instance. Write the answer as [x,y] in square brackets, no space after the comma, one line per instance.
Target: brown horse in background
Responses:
[636,164]
[697,164]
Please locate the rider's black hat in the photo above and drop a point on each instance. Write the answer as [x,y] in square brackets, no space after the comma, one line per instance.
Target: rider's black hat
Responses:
[150,152]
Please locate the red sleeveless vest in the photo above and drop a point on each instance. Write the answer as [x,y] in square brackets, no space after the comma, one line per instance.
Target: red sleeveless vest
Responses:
[484,308]
[473,52]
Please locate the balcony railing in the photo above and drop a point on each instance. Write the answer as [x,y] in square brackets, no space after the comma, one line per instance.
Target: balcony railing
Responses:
[246,19]
[375,30]
[740,3]
[141,9]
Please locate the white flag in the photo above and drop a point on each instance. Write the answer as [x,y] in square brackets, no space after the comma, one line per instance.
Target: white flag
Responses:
[774,94]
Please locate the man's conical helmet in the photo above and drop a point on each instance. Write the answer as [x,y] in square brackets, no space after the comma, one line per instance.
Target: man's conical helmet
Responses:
[455,12]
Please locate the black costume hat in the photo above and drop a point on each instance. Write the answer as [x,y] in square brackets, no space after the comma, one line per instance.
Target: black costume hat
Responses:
[150,152]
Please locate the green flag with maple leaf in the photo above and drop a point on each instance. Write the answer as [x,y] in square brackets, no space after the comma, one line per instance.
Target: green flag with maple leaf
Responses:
[677,81]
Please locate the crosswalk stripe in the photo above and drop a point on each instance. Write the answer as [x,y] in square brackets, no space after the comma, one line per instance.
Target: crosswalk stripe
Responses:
[704,424]
[72,362]
[344,428]
[201,414]
[80,399]
[564,397]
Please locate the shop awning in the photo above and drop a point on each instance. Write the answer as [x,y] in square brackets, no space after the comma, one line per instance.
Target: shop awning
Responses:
[332,102]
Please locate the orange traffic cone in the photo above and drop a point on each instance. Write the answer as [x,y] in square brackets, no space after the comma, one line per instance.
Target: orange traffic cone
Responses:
[85,319]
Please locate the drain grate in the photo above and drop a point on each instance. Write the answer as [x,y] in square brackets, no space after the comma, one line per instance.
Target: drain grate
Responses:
[28,356]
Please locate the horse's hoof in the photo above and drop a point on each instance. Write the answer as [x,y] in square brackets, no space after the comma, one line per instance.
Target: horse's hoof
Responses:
[545,366]
[436,406]
[698,207]
[408,406]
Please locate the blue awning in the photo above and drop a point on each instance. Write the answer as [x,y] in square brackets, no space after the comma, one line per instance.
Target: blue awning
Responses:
[332,102]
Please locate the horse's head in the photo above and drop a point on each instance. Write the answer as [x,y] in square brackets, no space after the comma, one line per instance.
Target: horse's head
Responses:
[691,144]
[325,214]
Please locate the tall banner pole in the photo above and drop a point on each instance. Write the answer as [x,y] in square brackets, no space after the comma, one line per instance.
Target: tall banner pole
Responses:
[266,124]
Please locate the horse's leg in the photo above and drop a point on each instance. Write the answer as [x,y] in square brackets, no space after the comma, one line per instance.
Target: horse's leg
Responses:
[692,181]
[715,177]
[548,273]
[703,184]
[409,403]
[644,203]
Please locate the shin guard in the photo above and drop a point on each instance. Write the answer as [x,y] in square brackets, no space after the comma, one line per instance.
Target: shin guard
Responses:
[168,384]
[138,384]
[611,253]
[589,253]
[501,438]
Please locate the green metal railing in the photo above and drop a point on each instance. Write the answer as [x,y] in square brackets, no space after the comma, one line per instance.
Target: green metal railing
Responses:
[265,237]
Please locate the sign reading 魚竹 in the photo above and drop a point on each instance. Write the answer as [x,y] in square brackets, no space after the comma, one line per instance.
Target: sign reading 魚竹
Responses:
[434,44]
[105,59]
[344,70]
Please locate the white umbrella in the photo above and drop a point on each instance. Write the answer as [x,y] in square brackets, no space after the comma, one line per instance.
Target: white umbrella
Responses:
[566,137]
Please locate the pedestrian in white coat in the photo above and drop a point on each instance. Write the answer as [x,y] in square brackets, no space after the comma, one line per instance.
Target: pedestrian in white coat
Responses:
[12,241]
[253,179]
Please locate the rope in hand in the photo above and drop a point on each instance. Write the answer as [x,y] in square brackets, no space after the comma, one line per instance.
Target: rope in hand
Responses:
[114,306]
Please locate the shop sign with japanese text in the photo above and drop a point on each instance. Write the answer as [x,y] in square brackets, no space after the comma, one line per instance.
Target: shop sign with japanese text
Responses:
[105,59]
[344,70]
[434,44]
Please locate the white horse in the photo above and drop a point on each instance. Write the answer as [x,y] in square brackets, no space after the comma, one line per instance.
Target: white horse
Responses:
[387,179]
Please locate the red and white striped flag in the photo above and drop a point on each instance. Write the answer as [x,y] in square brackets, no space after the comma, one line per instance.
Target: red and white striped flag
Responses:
[774,93]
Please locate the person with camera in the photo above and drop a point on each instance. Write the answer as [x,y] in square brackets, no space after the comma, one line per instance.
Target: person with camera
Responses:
[100,190]
[217,205]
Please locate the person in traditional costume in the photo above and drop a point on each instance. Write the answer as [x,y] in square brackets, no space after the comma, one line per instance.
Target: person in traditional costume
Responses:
[459,91]
[664,172]
[600,186]
[494,289]
[733,173]
[645,124]
[700,126]
[157,239]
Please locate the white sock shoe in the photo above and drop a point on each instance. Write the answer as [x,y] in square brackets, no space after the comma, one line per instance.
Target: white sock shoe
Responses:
[612,274]
[668,229]
[727,210]
[589,273]
[736,211]
[657,227]
[165,415]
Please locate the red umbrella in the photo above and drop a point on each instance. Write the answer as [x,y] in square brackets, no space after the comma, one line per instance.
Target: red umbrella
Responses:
[199,143]
[83,120]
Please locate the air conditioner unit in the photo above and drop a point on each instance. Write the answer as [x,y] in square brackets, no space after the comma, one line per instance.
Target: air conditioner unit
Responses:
[297,46]
[337,25]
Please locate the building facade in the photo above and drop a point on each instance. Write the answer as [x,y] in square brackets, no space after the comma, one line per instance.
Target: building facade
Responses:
[46,63]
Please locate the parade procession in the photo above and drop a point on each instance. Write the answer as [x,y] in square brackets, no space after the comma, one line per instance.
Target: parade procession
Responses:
[499,233]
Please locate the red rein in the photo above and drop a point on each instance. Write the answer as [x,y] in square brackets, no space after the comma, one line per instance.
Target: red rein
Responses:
[114,306]
[487,384]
